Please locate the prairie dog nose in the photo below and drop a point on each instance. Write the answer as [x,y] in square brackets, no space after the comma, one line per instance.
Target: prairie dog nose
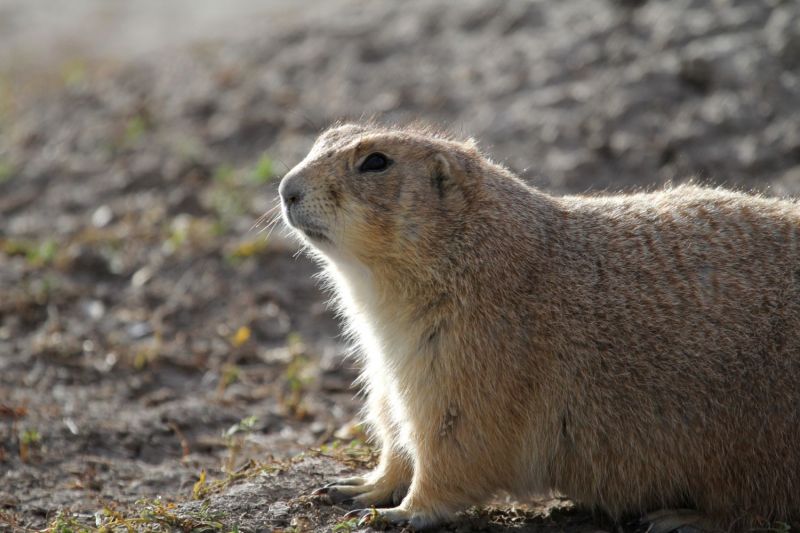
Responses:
[290,189]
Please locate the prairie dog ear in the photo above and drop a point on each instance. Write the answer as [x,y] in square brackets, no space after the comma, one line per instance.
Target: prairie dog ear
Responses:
[449,173]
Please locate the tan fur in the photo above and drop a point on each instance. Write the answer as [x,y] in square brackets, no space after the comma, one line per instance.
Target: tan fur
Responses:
[633,352]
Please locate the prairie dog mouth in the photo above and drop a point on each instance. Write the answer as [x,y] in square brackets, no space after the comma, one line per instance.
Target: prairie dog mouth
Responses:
[313,232]
[310,230]
[315,235]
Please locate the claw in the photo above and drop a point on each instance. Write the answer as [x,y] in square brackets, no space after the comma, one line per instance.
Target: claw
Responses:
[370,517]
[343,482]
[357,513]
[321,491]
[395,516]
[374,516]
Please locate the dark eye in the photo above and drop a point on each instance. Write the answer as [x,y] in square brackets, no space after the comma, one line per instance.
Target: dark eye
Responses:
[376,162]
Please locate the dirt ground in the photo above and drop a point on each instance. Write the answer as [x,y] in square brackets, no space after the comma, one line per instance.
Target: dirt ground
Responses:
[166,366]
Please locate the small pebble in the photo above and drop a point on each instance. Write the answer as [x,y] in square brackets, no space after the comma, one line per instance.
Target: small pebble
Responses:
[102,216]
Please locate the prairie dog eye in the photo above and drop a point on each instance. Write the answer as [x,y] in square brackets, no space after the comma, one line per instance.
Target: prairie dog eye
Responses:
[376,162]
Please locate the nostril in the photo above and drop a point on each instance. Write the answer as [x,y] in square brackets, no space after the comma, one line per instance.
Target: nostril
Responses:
[291,190]
[291,195]
[293,198]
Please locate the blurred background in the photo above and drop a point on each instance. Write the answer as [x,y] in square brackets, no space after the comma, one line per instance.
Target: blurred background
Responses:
[148,332]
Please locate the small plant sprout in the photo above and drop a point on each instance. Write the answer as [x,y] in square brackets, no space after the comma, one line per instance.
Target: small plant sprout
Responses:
[247,249]
[30,440]
[263,171]
[74,72]
[234,439]
[297,377]
[227,198]
[36,254]
[294,392]
[199,489]
[346,526]
[65,522]
[224,174]
[6,171]
[230,375]
[135,129]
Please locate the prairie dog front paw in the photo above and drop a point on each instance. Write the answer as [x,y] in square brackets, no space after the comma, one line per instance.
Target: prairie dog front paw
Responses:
[375,489]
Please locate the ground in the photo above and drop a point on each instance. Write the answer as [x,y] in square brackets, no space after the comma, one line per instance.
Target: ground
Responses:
[165,364]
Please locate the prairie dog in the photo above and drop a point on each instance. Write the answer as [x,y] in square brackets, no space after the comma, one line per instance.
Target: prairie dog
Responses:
[632,352]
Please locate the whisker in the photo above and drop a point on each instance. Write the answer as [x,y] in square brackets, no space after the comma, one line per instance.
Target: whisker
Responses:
[263,217]
[274,225]
[258,222]
[269,229]
[271,223]
[271,209]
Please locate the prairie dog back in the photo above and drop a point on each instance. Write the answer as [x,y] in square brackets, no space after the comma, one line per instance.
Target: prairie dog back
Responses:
[692,311]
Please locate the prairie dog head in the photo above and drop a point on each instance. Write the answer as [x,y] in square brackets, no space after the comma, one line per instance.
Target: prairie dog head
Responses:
[379,194]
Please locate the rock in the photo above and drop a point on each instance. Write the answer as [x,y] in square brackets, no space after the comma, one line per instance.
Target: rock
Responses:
[102,216]
[696,72]
[783,34]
